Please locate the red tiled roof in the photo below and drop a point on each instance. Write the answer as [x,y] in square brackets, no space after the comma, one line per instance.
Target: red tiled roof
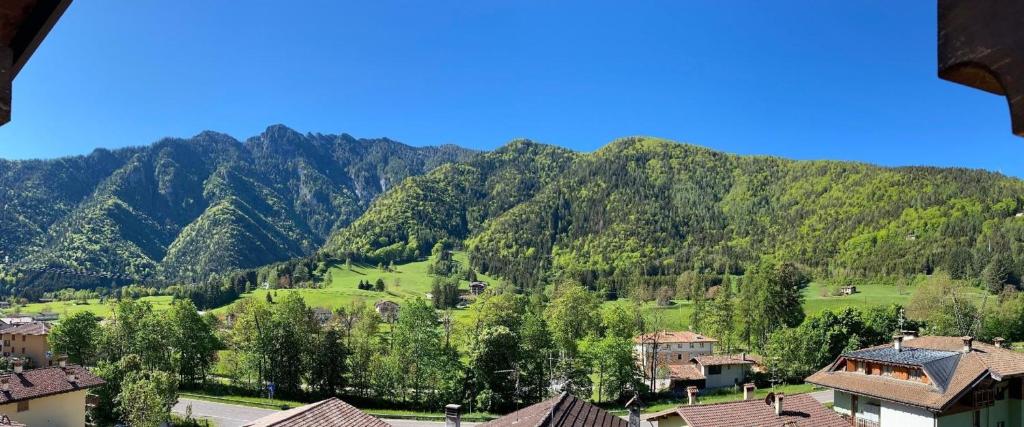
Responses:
[984,360]
[325,413]
[32,328]
[728,359]
[673,337]
[687,372]
[564,410]
[36,383]
[798,410]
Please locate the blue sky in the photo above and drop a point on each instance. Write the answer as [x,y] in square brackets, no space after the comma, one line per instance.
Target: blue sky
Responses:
[802,79]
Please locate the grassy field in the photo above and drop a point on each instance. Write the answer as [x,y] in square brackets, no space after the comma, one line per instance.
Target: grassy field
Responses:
[66,308]
[406,281]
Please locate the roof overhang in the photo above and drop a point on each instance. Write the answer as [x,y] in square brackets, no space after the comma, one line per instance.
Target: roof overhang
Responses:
[981,45]
[23,26]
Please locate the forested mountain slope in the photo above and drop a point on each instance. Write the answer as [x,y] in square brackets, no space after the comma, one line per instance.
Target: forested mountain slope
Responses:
[182,208]
[654,208]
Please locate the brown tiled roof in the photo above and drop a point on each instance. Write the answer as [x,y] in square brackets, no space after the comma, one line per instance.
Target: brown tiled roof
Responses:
[325,413]
[33,328]
[727,359]
[564,410]
[36,383]
[673,337]
[798,410]
[687,372]
[983,361]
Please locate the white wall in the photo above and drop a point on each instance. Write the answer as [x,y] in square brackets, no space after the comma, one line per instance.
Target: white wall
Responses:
[897,415]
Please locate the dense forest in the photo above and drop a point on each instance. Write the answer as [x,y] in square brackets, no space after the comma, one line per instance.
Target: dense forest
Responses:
[650,208]
[182,208]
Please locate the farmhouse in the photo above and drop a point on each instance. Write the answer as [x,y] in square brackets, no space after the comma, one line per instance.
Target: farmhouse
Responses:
[666,355]
[322,315]
[723,370]
[388,310]
[928,381]
[848,290]
[53,396]
[800,410]
[27,340]
[326,413]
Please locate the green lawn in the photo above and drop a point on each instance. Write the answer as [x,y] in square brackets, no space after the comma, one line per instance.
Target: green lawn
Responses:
[66,308]
[409,280]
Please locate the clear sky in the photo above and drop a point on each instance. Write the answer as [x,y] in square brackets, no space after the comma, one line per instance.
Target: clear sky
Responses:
[802,79]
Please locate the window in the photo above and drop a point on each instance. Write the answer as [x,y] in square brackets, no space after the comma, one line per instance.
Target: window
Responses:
[23,338]
[915,374]
[714,370]
[887,370]
[23,406]
[691,345]
[679,357]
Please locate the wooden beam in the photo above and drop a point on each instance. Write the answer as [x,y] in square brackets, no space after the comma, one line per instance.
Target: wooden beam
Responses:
[34,29]
[6,75]
[981,45]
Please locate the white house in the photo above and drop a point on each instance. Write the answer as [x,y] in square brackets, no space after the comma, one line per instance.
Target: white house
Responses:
[666,355]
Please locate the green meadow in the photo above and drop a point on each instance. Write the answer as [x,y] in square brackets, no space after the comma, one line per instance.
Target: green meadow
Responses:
[95,306]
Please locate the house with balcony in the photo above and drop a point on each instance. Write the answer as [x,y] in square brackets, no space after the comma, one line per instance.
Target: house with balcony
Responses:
[665,355]
[933,381]
[27,341]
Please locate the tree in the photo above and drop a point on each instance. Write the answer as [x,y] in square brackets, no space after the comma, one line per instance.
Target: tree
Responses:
[327,364]
[612,362]
[146,398]
[76,336]
[718,319]
[535,358]
[998,274]
[379,285]
[945,306]
[495,366]
[770,299]
[193,341]
[622,320]
[572,315]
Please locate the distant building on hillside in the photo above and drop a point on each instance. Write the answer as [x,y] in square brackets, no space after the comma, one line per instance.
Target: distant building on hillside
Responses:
[53,396]
[27,340]
[388,310]
[322,315]
[848,290]
[477,288]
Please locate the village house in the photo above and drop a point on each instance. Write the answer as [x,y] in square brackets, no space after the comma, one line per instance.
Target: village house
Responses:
[848,290]
[332,412]
[388,310]
[27,340]
[322,315]
[53,396]
[721,371]
[931,381]
[666,355]
[776,410]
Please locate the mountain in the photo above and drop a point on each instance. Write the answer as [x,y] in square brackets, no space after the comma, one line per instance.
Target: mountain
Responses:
[182,208]
[645,207]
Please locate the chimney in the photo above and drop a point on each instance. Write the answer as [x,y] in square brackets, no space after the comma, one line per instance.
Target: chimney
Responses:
[778,404]
[968,340]
[634,406]
[897,342]
[70,373]
[748,391]
[743,356]
[691,395]
[62,361]
[5,384]
[909,335]
[998,342]
[18,366]
[453,415]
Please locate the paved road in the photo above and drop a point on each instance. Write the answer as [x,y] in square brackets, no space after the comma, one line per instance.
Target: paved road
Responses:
[227,415]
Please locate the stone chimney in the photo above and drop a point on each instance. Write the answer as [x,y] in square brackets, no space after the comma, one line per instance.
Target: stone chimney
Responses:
[968,341]
[70,374]
[748,391]
[5,384]
[62,361]
[691,395]
[909,335]
[897,342]
[18,366]
[634,406]
[998,342]
[453,415]
[778,404]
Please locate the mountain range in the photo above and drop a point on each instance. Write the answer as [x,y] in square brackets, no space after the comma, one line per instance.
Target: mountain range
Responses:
[639,207]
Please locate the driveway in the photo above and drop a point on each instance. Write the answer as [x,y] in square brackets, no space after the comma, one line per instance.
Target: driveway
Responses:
[228,415]
[824,396]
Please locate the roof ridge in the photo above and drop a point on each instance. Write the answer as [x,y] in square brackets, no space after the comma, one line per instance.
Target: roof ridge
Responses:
[308,407]
[551,412]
